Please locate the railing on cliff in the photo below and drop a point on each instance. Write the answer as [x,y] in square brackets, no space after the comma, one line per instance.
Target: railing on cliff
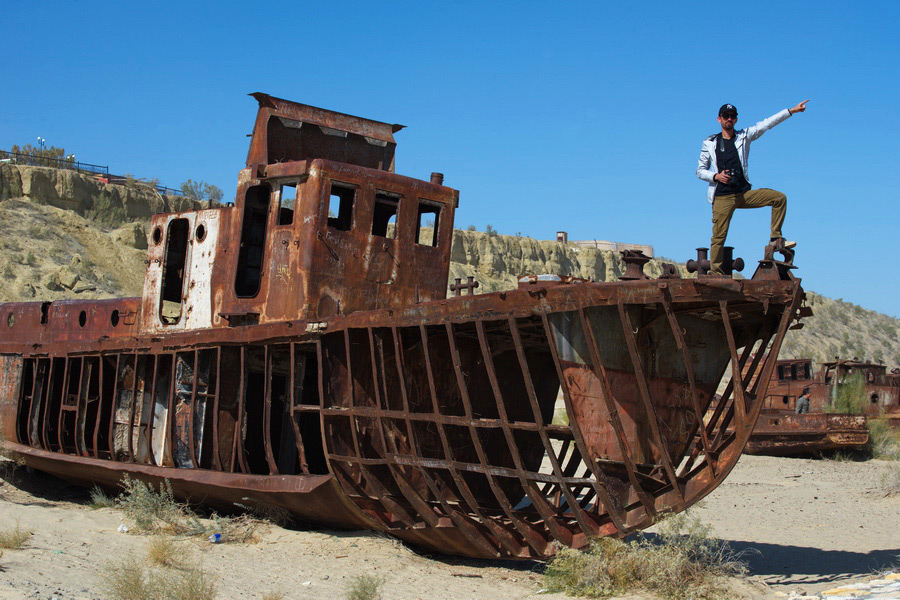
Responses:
[49,161]
[31,160]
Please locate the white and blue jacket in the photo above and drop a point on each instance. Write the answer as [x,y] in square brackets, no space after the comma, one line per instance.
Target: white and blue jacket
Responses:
[706,166]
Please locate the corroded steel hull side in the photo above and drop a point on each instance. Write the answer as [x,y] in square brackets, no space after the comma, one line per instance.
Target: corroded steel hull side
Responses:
[785,433]
[431,422]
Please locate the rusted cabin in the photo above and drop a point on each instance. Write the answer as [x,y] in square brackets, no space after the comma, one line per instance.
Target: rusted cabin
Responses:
[882,389]
[308,237]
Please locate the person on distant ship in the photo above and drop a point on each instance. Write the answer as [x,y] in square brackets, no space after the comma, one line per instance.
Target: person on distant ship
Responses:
[803,402]
[723,163]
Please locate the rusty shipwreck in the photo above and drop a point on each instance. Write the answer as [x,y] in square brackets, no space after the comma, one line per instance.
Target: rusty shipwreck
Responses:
[779,431]
[298,349]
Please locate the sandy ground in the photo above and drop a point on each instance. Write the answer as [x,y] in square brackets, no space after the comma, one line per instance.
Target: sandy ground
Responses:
[808,525]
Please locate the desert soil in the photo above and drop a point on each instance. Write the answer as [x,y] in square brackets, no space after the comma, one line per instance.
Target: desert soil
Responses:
[807,526]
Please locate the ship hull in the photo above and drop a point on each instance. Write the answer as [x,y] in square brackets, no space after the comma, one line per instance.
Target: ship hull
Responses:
[779,433]
[434,422]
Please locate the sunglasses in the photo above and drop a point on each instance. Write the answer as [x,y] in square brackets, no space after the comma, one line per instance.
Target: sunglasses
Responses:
[732,117]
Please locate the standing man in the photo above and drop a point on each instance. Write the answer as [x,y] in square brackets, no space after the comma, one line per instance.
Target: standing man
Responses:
[723,163]
[803,402]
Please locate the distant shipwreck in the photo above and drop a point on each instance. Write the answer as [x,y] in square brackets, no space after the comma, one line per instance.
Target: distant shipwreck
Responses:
[297,349]
[781,432]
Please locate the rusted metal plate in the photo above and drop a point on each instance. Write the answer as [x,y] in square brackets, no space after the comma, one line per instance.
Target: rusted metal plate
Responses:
[297,348]
[784,433]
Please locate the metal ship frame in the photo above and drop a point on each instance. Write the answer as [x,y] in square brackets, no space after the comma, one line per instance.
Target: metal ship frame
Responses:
[298,349]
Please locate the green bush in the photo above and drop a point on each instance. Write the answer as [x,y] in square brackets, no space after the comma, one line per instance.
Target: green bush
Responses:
[850,397]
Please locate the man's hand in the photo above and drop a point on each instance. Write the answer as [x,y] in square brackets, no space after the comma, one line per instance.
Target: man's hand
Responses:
[722,177]
[799,108]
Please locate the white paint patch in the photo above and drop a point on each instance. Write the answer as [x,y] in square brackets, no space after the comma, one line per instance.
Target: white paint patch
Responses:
[199,302]
[200,257]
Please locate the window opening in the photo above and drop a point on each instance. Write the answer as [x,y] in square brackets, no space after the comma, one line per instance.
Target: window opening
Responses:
[780,372]
[793,371]
[174,265]
[384,216]
[287,202]
[253,239]
[427,224]
[340,207]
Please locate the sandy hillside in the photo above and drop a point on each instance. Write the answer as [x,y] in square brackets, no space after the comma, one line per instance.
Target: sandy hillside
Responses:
[808,525]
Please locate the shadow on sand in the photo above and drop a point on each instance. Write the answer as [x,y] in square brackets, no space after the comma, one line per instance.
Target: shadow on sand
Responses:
[776,564]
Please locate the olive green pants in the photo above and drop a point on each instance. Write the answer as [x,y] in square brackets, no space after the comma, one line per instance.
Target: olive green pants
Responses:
[724,207]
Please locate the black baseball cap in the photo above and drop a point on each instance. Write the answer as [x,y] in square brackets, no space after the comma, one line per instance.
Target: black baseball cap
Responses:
[727,109]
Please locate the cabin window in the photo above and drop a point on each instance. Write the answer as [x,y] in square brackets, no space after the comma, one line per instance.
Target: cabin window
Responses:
[807,371]
[174,266]
[384,216]
[428,223]
[287,202]
[780,371]
[793,371]
[784,399]
[340,207]
[253,239]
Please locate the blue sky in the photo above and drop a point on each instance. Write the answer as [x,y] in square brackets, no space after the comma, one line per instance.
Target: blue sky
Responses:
[584,117]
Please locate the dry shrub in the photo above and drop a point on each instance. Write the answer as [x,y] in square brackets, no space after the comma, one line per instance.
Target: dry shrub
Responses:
[193,584]
[884,440]
[161,551]
[13,539]
[839,455]
[99,499]
[365,587]
[275,515]
[128,579]
[242,529]
[151,511]
[682,563]
[158,512]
